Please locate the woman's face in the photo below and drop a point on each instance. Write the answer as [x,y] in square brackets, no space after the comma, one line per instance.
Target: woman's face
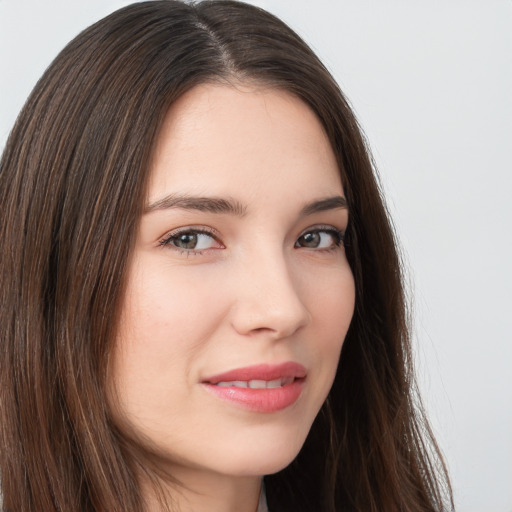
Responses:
[239,293]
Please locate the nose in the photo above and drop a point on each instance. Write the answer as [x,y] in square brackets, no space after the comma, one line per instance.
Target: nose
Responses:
[267,298]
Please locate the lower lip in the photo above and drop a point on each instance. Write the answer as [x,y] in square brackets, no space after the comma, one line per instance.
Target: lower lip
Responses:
[260,400]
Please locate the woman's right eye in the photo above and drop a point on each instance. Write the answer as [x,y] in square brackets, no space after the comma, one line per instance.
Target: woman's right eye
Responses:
[192,240]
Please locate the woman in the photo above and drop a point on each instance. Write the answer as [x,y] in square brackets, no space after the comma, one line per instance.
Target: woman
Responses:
[192,235]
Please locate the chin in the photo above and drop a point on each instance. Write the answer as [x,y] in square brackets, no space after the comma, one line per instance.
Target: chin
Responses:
[265,454]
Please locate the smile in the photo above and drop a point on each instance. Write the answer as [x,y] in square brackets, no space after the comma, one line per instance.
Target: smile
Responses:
[261,388]
[257,384]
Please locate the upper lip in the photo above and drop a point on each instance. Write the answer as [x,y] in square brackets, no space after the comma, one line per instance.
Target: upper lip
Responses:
[260,372]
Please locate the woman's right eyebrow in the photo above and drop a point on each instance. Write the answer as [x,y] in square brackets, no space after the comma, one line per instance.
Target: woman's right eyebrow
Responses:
[203,204]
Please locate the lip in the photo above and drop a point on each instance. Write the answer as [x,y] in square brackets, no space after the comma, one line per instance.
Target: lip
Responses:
[260,400]
[260,372]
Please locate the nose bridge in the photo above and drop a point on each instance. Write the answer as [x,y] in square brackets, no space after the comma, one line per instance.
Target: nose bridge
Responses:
[269,296]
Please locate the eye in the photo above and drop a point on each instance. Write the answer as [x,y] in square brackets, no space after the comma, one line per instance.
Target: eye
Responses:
[192,240]
[320,238]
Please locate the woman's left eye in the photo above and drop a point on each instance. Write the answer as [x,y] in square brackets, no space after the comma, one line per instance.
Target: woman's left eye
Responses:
[191,240]
[320,238]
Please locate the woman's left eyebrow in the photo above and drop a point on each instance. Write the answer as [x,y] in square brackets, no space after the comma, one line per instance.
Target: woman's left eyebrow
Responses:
[322,205]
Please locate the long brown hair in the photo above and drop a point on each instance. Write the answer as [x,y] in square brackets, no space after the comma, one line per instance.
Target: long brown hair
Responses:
[73,180]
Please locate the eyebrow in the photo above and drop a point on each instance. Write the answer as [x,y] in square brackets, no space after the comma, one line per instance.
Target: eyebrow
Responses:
[322,205]
[233,207]
[202,204]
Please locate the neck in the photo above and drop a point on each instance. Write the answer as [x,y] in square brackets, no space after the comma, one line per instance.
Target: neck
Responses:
[199,491]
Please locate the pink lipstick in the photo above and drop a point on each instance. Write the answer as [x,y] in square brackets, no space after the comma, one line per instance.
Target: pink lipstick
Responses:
[260,388]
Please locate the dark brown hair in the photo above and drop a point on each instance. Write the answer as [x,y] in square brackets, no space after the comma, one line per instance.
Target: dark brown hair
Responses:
[72,187]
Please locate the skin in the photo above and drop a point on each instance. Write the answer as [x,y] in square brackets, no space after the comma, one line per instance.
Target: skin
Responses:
[253,290]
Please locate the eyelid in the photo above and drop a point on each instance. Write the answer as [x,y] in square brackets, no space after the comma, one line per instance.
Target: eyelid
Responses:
[165,241]
[323,227]
[327,228]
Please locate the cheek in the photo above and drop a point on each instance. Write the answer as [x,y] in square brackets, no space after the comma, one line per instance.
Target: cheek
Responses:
[163,327]
[331,313]
[166,312]
[331,298]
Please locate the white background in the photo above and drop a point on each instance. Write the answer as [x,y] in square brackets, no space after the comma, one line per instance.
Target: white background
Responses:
[431,82]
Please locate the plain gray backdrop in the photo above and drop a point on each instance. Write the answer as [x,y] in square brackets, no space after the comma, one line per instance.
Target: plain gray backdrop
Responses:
[431,83]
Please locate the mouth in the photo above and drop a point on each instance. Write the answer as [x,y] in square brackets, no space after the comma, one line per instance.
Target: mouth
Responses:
[260,388]
[261,373]
[257,384]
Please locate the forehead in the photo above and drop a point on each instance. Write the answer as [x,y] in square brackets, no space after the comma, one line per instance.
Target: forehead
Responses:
[220,139]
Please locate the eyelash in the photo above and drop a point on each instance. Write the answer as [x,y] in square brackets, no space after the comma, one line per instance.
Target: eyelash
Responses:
[337,235]
[174,235]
